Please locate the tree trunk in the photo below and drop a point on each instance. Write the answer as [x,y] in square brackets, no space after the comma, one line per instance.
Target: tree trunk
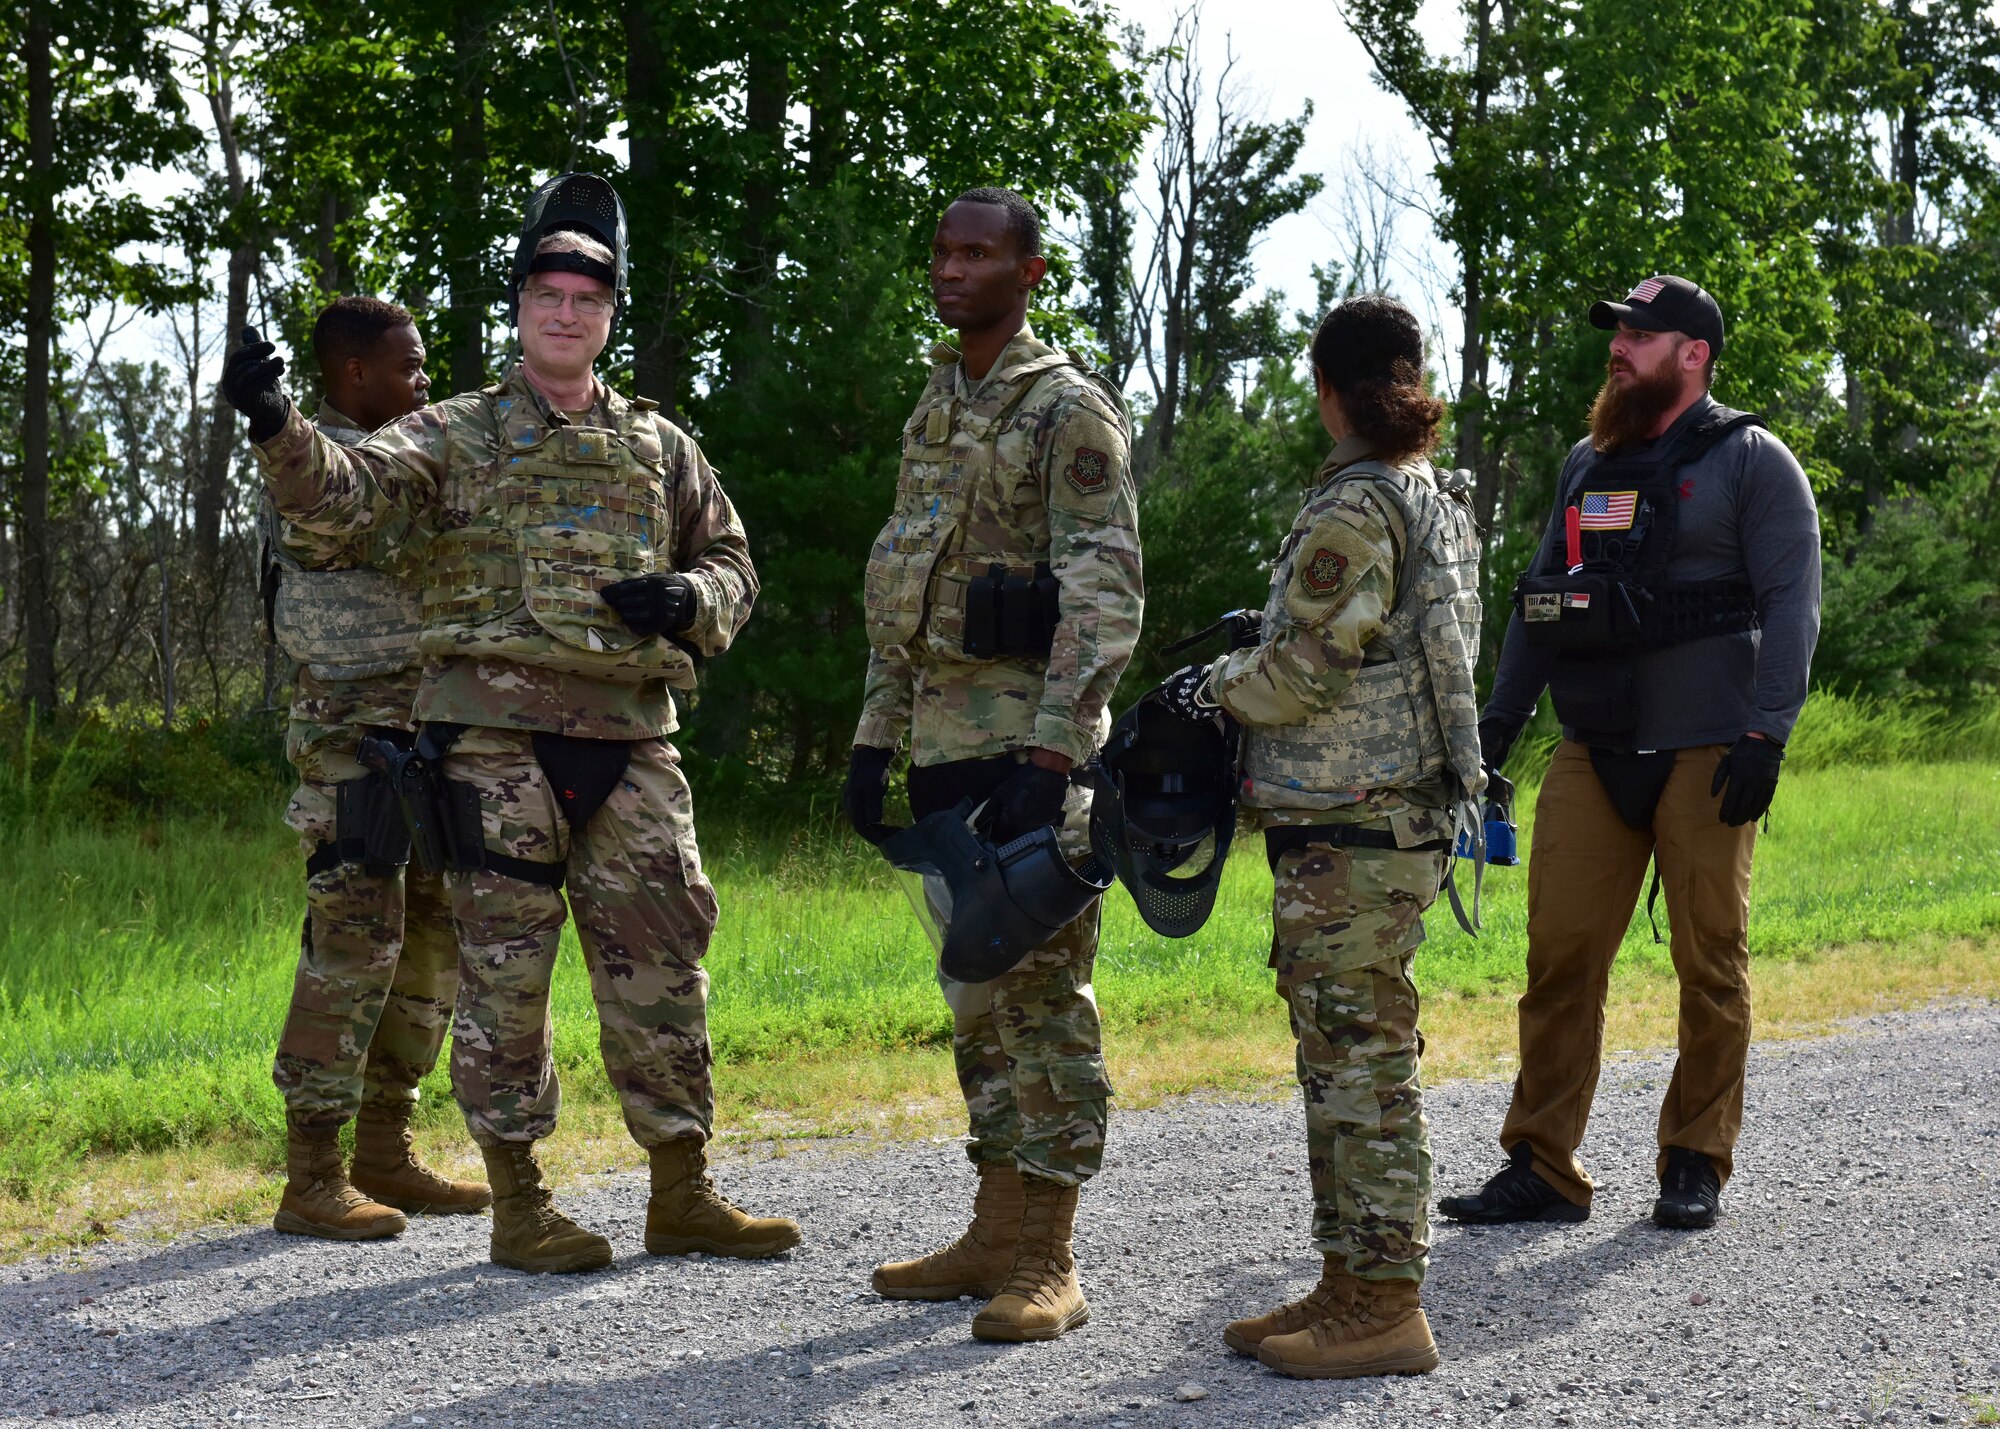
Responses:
[38,594]
[212,481]
[465,232]
[653,197]
[767,92]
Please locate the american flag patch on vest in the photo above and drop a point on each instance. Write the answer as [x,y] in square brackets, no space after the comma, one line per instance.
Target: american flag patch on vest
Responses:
[1607,510]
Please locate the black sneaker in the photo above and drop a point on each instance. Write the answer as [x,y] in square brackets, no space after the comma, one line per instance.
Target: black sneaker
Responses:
[1689,1192]
[1516,1194]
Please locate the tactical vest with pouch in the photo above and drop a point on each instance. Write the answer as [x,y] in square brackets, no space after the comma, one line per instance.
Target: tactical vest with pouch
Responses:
[567,510]
[1617,602]
[961,569]
[349,624]
[1410,712]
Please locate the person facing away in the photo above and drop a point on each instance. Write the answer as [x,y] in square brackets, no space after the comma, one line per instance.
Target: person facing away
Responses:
[1004,597]
[1670,611]
[378,955]
[578,557]
[1360,760]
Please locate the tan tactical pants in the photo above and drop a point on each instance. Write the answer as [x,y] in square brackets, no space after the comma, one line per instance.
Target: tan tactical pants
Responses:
[378,970]
[644,913]
[1585,872]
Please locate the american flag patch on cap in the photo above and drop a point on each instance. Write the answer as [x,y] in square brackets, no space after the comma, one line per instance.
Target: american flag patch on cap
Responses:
[1646,291]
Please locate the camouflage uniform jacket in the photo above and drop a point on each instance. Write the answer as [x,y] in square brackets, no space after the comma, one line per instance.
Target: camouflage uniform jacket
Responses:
[329,708]
[497,486]
[1029,465]
[1339,701]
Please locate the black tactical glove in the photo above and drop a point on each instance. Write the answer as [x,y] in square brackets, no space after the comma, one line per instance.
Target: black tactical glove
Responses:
[1496,742]
[1032,798]
[1243,628]
[653,605]
[867,781]
[1750,773]
[1182,692]
[250,385]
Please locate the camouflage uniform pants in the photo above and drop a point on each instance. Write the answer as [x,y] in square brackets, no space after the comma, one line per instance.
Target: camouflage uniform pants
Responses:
[1027,1046]
[378,969]
[1346,924]
[644,913]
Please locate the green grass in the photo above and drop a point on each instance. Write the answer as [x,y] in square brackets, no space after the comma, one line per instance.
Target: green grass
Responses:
[143,976]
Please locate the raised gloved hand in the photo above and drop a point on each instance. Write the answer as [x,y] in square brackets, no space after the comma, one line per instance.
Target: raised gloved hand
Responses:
[867,781]
[653,605]
[1747,778]
[1185,693]
[250,385]
[1032,798]
[1496,741]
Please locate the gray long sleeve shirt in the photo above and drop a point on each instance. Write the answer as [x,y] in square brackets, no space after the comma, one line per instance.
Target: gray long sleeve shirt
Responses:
[1747,514]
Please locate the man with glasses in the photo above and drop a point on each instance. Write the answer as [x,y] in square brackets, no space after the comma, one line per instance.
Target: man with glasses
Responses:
[579,556]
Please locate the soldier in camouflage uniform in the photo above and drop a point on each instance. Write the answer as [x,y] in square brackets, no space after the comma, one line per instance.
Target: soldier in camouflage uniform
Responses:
[378,959]
[1003,601]
[578,556]
[1360,758]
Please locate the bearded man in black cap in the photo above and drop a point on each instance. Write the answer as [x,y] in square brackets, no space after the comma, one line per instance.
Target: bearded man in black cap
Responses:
[1671,612]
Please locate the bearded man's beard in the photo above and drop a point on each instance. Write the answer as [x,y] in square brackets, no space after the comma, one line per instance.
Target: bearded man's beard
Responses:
[1626,410]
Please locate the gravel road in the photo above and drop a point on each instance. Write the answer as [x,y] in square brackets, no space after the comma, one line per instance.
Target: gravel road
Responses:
[1852,1279]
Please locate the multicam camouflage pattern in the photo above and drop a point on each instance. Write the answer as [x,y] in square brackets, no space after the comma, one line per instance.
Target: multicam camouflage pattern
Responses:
[378,961]
[378,970]
[644,912]
[1363,679]
[521,515]
[1028,465]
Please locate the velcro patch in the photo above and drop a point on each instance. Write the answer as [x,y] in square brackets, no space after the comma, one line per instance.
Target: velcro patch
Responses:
[1088,470]
[1323,571]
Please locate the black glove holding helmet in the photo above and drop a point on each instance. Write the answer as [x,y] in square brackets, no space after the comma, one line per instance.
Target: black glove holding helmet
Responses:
[1747,778]
[250,385]
[867,782]
[1184,693]
[653,605]
[1496,741]
[1031,798]
[1243,628]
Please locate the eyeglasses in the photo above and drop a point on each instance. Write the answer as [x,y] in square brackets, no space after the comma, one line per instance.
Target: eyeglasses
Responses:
[551,300]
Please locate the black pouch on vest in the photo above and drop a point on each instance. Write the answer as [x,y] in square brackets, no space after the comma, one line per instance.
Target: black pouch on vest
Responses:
[1011,615]
[1584,610]
[1633,782]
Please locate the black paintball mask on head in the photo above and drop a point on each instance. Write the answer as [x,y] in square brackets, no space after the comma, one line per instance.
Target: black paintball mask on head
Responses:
[1165,811]
[583,203]
[986,908]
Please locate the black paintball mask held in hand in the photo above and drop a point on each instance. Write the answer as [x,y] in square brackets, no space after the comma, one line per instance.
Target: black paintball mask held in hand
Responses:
[867,782]
[653,605]
[1747,778]
[250,385]
[1032,798]
[1185,693]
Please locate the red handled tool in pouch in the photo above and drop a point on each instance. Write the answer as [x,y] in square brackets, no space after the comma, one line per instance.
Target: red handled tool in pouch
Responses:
[1573,529]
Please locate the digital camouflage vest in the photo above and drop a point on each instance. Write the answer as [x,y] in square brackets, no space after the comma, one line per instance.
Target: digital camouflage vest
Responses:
[1410,712]
[565,511]
[968,501]
[348,623]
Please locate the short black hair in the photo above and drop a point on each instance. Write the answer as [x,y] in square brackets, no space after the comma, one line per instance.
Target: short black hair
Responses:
[1024,225]
[351,326]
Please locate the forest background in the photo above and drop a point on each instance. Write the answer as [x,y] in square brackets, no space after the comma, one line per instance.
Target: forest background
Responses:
[1828,170]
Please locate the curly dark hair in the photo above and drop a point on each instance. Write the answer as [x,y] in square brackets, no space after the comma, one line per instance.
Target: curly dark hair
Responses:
[1370,351]
[351,326]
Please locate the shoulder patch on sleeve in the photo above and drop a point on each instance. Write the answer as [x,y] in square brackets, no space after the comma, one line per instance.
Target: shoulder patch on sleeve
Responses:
[1087,459]
[1088,470]
[1323,571]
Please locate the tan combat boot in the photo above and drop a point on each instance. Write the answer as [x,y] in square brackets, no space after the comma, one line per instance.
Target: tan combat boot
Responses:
[529,1233]
[318,1198]
[978,1262]
[386,1167]
[1041,1299]
[1325,1301]
[687,1214]
[1382,1331]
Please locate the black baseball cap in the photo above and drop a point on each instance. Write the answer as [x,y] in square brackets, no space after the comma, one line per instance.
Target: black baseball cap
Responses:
[1664,303]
